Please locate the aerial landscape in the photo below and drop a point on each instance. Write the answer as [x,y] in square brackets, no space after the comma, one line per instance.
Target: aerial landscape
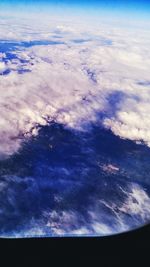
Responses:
[75,117]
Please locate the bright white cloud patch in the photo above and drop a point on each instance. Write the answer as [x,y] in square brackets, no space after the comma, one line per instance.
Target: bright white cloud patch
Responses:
[74,75]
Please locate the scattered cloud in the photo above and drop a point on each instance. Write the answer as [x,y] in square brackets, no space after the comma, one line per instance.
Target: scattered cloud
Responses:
[101,218]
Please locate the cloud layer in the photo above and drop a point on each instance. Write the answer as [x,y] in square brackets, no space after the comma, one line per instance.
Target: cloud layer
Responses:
[76,77]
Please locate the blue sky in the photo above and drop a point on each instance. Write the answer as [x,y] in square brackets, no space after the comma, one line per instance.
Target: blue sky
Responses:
[141,8]
[143,5]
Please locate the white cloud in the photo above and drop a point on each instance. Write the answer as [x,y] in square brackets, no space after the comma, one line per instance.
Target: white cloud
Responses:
[137,203]
[72,82]
[2,67]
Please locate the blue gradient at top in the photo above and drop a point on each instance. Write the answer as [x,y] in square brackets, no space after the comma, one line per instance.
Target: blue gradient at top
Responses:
[141,7]
[143,4]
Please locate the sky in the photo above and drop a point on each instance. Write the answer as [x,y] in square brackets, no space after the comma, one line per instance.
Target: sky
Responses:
[140,8]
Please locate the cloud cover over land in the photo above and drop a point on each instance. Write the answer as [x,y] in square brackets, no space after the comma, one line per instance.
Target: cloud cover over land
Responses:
[77,75]
[74,75]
